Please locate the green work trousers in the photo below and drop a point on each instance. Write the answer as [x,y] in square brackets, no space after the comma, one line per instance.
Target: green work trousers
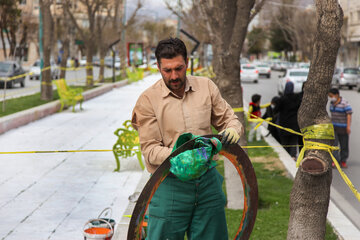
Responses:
[195,207]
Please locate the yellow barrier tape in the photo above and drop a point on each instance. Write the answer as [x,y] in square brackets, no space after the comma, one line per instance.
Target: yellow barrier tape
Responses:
[319,131]
[238,109]
[67,151]
[110,150]
[321,146]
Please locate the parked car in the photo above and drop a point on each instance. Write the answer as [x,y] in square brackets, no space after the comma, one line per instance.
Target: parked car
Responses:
[108,61]
[249,73]
[82,61]
[35,70]
[346,77]
[11,69]
[297,75]
[244,60]
[264,69]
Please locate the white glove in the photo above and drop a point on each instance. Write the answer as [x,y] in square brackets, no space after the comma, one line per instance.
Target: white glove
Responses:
[229,136]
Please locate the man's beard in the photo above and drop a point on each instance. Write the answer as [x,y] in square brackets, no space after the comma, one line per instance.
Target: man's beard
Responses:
[180,82]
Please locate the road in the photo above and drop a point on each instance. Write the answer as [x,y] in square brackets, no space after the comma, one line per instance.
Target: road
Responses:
[52,196]
[77,77]
[340,193]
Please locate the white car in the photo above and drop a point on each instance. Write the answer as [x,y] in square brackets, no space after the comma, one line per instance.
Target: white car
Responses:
[249,73]
[264,69]
[35,70]
[297,75]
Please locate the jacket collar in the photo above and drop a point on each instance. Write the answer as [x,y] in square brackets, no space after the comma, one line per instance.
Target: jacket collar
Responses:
[189,86]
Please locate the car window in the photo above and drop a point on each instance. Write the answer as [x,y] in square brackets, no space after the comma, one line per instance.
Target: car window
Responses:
[298,74]
[263,66]
[37,64]
[4,67]
[248,67]
[351,71]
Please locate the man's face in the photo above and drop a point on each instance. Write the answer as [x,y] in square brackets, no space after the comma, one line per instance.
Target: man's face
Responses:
[173,71]
[333,97]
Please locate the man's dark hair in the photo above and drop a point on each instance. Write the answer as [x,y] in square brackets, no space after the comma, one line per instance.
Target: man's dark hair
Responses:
[170,48]
[255,98]
[334,91]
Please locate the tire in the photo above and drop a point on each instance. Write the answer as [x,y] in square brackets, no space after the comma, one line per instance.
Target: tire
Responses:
[256,81]
[9,84]
[350,87]
[268,76]
[22,83]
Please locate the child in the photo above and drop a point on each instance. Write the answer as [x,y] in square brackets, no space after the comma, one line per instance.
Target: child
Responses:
[341,113]
[255,110]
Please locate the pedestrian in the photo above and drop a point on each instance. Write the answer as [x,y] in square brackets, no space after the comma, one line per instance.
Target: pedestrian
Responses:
[341,112]
[272,117]
[287,108]
[172,106]
[254,117]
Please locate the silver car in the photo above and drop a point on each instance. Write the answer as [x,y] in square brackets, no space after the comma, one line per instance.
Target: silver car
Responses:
[35,70]
[346,77]
[249,73]
[296,75]
[264,69]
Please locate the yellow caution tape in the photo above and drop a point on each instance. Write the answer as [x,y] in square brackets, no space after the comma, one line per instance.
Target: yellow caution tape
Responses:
[238,109]
[67,151]
[319,131]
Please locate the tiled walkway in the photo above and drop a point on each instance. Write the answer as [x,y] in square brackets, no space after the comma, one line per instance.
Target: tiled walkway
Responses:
[51,196]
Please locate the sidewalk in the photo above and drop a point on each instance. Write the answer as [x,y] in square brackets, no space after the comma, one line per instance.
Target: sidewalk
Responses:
[51,196]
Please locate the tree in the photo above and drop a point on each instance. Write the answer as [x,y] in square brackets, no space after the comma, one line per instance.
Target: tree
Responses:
[47,21]
[256,41]
[154,32]
[88,35]
[105,30]
[9,22]
[309,199]
[227,23]
[188,17]
[278,39]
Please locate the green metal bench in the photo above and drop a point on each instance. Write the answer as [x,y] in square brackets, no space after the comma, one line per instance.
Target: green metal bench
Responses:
[127,144]
[67,95]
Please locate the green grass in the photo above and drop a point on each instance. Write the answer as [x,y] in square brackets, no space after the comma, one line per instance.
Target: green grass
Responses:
[274,191]
[22,103]
[117,79]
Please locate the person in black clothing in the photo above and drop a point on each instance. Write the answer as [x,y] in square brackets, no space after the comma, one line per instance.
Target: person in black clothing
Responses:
[287,109]
[274,117]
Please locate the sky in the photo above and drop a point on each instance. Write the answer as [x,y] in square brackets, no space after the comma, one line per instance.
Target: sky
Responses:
[151,8]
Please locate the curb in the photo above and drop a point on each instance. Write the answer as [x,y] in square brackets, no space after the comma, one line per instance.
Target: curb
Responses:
[121,228]
[343,227]
[32,114]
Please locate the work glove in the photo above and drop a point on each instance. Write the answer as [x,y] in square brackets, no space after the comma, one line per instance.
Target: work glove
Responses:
[229,136]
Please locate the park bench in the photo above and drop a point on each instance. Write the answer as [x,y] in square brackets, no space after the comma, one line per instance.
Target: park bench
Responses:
[127,144]
[67,95]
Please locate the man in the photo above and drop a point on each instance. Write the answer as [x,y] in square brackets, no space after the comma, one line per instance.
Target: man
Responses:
[174,105]
[341,118]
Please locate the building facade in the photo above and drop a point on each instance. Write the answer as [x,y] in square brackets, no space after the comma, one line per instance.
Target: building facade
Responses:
[349,52]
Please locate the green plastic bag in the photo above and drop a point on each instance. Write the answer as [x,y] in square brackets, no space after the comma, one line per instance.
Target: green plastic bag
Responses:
[195,162]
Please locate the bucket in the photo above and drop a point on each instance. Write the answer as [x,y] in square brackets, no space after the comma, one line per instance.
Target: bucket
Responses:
[98,233]
[103,216]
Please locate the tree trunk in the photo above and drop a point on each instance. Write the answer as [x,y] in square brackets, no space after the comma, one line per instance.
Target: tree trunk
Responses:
[46,84]
[102,64]
[3,43]
[227,52]
[65,55]
[89,67]
[310,194]
[123,62]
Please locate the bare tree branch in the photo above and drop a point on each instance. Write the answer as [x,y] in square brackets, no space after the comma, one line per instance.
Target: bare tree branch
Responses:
[256,9]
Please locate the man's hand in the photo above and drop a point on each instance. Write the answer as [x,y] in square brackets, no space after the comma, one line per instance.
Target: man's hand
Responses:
[229,136]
